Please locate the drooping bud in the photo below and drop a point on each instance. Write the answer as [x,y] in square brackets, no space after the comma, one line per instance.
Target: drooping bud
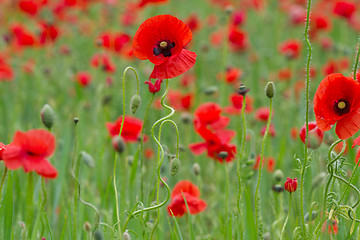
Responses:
[270,90]
[87,226]
[98,235]
[196,169]
[87,158]
[174,166]
[126,236]
[76,120]
[118,144]
[135,103]
[47,116]
[278,175]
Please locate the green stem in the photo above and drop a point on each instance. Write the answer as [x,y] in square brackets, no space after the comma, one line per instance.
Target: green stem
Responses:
[306,122]
[142,149]
[286,220]
[162,155]
[121,128]
[357,61]
[257,193]
[241,153]
[351,178]
[3,180]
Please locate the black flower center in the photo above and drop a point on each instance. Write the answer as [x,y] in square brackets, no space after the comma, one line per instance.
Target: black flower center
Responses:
[163,47]
[341,107]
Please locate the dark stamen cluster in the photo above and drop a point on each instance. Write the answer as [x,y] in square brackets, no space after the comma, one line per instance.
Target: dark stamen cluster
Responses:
[341,107]
[163,47]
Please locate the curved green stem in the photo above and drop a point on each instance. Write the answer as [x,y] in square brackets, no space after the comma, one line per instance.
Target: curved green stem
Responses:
[241,153]
[286,220]
[306,121]
[257,194]
[350,180]
[121,128]
[3,180]
[159,160]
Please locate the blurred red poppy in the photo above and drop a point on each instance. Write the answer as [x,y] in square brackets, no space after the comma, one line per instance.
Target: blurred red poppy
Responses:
[162,39]
[290,48]
[83,78]
[344,9]
[2,148]
[315,135]
[131,130]
[30,150]
[185,189]
[337,100]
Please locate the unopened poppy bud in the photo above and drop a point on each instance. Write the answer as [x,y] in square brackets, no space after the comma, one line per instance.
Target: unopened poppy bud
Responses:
[211,90]
[126,236]
[174,166]
[243,90]
[76,120]
[135,103]
[318,180]
[196,169]
[278,188]
[47,116]
[270,89]
[87,226]
[186,117]
[118,144]
[98,235]
[278,175]
[223,155]
[87,158]
[290,185]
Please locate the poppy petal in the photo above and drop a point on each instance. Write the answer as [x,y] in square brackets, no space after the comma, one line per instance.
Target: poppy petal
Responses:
[349,125]
[198,148]
[185,186]
[45,169]
[11,156]
[174,66]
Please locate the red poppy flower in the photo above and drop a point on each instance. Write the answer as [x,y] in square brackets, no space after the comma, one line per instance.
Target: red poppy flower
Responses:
[180,101]
[30,150]
[291,185]
[344,9]
[315,135]
[2,148]
[270,162]
[262,114]
[185,189]
[142,3]
[237,102]
[154,87]
[131,130]
[162,39]
[49,33]
[22,36]
[103,60]
[29,6]
[238,38]
[337,100]
[215,142]
[290,48]
[272,131]
[6,72]
[332,227]
[83,78]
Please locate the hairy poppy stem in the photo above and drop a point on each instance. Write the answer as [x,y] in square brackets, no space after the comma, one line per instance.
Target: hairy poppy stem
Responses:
[307,89]
[160,159]
[241,153]
[116,155]
[258,218]
[357,60]
[286,220]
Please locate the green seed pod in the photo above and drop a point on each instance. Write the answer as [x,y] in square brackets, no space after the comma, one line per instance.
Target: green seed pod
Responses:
[87,158]
[174,166]
[196,169]
[87,226]
[223,155]
[135,103]
[278,175]
[47,116]
[98,235]
[270,89]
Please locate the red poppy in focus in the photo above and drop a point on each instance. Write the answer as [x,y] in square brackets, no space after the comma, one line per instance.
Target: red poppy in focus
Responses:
[30,150]
[185,189]
[337,100]
[315,135]
[290,48]
[131,130]
[162,39]
[291,185]
[344,9]
[154,87]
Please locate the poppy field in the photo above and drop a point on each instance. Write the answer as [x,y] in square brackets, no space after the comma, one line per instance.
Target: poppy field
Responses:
[164,119]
